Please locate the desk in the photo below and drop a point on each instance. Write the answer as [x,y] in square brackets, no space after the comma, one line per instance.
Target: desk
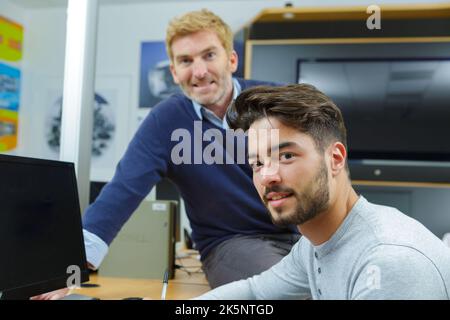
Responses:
[183,286]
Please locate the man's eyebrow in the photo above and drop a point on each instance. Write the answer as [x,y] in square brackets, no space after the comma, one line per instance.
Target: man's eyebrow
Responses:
[181,56]
[209,49]
[274,148]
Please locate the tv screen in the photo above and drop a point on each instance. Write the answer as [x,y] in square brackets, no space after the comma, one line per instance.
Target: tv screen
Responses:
[394,109]
[41,238]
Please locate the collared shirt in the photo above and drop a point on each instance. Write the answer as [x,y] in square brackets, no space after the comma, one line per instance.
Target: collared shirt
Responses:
[203,112]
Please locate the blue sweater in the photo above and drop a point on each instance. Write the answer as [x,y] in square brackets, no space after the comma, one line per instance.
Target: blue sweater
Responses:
[220,199]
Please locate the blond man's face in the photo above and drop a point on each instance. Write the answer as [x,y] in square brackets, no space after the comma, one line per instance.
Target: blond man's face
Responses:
[202,68]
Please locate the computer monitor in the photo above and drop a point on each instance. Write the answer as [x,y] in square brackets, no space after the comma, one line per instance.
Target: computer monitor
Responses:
[396,112]
[394,108]
[41,239]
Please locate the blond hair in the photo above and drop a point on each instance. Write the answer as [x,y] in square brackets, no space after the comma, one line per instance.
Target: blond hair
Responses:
[196,21]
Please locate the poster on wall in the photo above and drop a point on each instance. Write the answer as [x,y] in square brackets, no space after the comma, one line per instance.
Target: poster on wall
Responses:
[109,136]
[11,37]
[9,106]
[103,130]
[156,82]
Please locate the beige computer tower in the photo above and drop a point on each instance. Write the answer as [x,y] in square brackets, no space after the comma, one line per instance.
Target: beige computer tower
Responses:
[145,246]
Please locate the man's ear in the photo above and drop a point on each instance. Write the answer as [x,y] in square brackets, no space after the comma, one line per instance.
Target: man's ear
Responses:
[174,73]
[338,158]
[234,61]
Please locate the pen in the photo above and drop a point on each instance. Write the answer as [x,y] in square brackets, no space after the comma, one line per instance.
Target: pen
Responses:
[165,282]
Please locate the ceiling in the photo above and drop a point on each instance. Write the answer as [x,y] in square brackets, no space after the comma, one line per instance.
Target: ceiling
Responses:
[30,4]
[62,3]
[36,4]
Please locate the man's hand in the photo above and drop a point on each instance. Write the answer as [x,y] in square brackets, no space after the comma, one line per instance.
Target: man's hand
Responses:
[54,295]
[57,294]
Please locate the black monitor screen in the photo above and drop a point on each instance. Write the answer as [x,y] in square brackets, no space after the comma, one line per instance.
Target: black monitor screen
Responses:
[40,226]
[395,109]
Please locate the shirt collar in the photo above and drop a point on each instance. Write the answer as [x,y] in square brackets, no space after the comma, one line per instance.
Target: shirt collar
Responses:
[204,112]
[328,246]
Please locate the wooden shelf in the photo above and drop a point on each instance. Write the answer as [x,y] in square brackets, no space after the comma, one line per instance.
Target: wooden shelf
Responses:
[410,11]
[400,184]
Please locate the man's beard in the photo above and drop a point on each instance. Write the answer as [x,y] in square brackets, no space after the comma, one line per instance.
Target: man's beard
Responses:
[311,202]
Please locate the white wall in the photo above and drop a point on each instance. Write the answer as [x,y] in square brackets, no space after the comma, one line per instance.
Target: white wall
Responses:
[11,11]
[43,67]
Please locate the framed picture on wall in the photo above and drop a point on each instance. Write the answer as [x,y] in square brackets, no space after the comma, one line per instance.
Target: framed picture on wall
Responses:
[239,47]
[9,106]
[110,127]
[156,82]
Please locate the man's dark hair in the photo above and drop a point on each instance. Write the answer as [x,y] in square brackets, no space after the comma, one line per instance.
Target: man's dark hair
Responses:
[299,106]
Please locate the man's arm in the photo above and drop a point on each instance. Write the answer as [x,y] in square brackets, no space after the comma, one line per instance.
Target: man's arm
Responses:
[142,166]
[392,272]
[285,280]
[96,249]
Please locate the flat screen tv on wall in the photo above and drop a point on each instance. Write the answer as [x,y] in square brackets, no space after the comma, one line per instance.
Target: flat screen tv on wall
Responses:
[397,113]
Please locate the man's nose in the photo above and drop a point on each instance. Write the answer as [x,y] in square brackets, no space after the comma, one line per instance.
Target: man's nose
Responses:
[270,175]
[200,69]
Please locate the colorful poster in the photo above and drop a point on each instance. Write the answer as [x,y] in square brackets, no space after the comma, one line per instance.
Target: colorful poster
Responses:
[9,106]
[11,37]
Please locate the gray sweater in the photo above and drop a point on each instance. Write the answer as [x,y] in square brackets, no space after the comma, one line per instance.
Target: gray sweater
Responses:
[376,253]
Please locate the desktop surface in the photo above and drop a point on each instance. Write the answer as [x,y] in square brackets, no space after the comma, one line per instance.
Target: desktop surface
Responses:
[189,282]
[181,288]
